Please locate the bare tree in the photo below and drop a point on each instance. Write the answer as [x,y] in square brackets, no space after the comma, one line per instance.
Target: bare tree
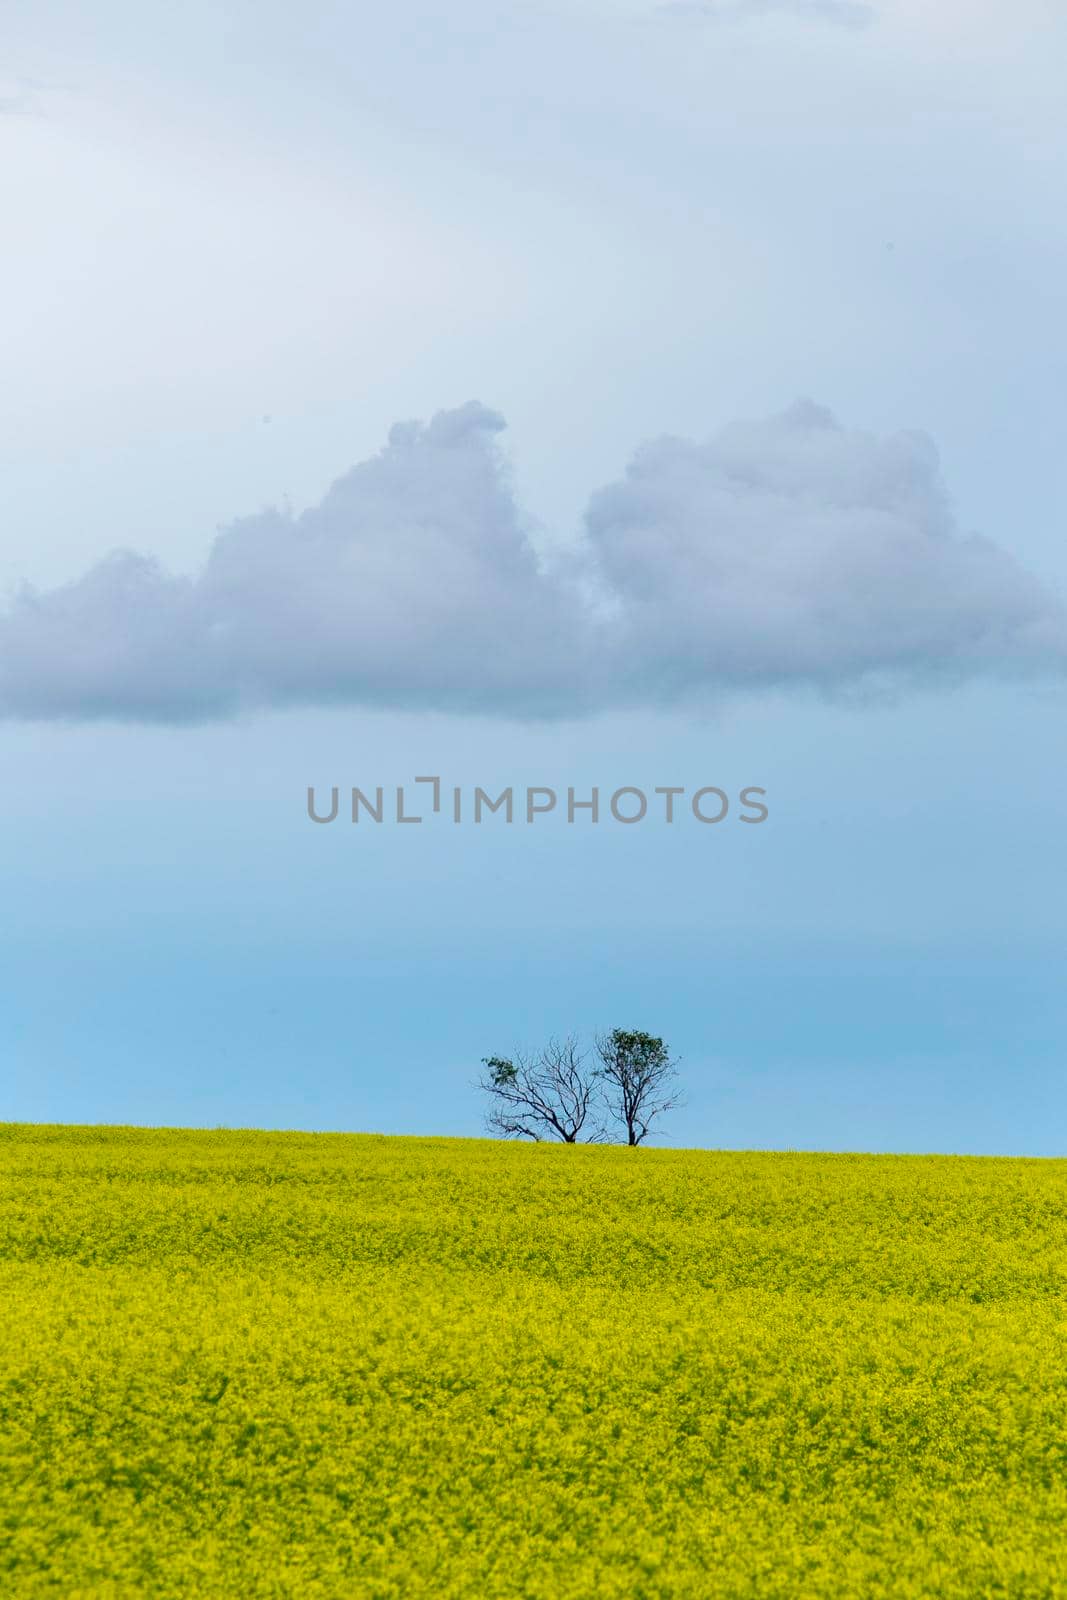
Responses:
[637,1077]
[548,1096]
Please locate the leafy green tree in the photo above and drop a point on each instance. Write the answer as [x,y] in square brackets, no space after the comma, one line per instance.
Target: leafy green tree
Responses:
[638,1080]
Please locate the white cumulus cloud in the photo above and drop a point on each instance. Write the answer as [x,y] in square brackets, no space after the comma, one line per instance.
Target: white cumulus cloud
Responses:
[794,550]
[790,551]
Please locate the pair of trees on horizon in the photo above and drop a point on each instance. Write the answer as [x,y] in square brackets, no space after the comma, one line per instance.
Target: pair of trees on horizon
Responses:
[566,1094]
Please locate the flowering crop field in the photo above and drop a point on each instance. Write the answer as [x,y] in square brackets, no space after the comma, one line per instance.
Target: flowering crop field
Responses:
[257,1364]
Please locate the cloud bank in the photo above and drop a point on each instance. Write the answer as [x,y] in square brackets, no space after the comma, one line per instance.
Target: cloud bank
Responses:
[785,552]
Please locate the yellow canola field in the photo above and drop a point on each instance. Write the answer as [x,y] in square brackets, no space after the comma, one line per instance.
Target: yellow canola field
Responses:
[256,1364]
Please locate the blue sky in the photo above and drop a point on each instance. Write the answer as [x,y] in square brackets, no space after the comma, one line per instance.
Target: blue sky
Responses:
[247,244]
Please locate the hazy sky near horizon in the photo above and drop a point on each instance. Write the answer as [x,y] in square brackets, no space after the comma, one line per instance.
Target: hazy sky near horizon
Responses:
[769,296]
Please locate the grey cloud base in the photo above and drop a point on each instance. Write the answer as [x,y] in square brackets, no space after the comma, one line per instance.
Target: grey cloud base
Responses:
[784,552]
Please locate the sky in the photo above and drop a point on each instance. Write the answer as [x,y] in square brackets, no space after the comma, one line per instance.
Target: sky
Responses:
[555,396]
